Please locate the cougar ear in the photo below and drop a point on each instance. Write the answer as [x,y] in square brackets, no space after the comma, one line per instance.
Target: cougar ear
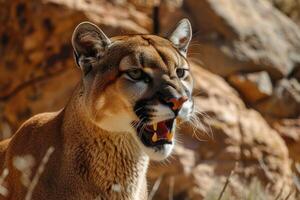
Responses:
[89,43]
[182,35]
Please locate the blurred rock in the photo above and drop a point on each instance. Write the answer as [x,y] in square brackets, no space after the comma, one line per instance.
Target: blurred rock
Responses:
[290,7]
[244,36]
[285,101]
[252,86]
[234,134]
[149,4]
[295,73]
[289,129]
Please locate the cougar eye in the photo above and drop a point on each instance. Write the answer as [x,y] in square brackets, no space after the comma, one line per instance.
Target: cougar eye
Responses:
[135,74]
[180,72]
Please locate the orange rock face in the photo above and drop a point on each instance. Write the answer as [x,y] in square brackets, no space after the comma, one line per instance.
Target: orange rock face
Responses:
[38,74]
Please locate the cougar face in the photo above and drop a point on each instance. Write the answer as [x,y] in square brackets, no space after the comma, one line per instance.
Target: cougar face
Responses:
[136,84]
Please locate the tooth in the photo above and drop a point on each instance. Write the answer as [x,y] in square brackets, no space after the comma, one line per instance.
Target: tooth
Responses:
[155,126]
[154,137]
[170,136]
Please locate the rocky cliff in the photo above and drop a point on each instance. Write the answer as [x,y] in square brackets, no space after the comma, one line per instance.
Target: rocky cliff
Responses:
[245,58]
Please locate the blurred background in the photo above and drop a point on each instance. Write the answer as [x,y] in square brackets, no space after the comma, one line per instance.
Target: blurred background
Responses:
[245,57]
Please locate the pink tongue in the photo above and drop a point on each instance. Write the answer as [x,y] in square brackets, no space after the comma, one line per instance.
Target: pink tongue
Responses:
[162,130]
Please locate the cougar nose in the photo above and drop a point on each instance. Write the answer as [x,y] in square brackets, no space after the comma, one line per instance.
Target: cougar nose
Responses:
[176,103]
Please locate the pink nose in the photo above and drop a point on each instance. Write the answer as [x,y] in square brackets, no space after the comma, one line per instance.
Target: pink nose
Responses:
[177,103]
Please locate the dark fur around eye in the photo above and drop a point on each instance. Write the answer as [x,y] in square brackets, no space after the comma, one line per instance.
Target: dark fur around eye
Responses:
[138,75]
[181,72]
[135,74]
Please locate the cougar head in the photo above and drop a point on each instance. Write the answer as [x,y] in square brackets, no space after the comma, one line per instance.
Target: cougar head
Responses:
[136,84]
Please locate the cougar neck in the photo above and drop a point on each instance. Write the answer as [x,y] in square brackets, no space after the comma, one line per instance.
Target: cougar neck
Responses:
[106,162]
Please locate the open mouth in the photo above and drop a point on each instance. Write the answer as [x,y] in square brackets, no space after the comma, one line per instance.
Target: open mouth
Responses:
[156,134]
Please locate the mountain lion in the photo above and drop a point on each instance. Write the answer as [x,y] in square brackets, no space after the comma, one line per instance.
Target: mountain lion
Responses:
[133,91]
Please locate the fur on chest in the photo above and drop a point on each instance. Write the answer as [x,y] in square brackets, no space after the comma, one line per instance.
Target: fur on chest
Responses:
[110,167]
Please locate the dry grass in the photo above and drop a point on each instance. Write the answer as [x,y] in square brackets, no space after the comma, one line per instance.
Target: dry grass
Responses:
[220,191]
[39,172]
[254,191]
[24,164]
[155,188]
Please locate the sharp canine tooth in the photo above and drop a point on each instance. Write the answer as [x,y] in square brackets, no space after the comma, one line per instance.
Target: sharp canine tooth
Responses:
[170,136]
[155,126]
[154,137]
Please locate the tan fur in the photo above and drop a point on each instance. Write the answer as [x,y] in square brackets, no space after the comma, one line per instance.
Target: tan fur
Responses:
[88,161]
